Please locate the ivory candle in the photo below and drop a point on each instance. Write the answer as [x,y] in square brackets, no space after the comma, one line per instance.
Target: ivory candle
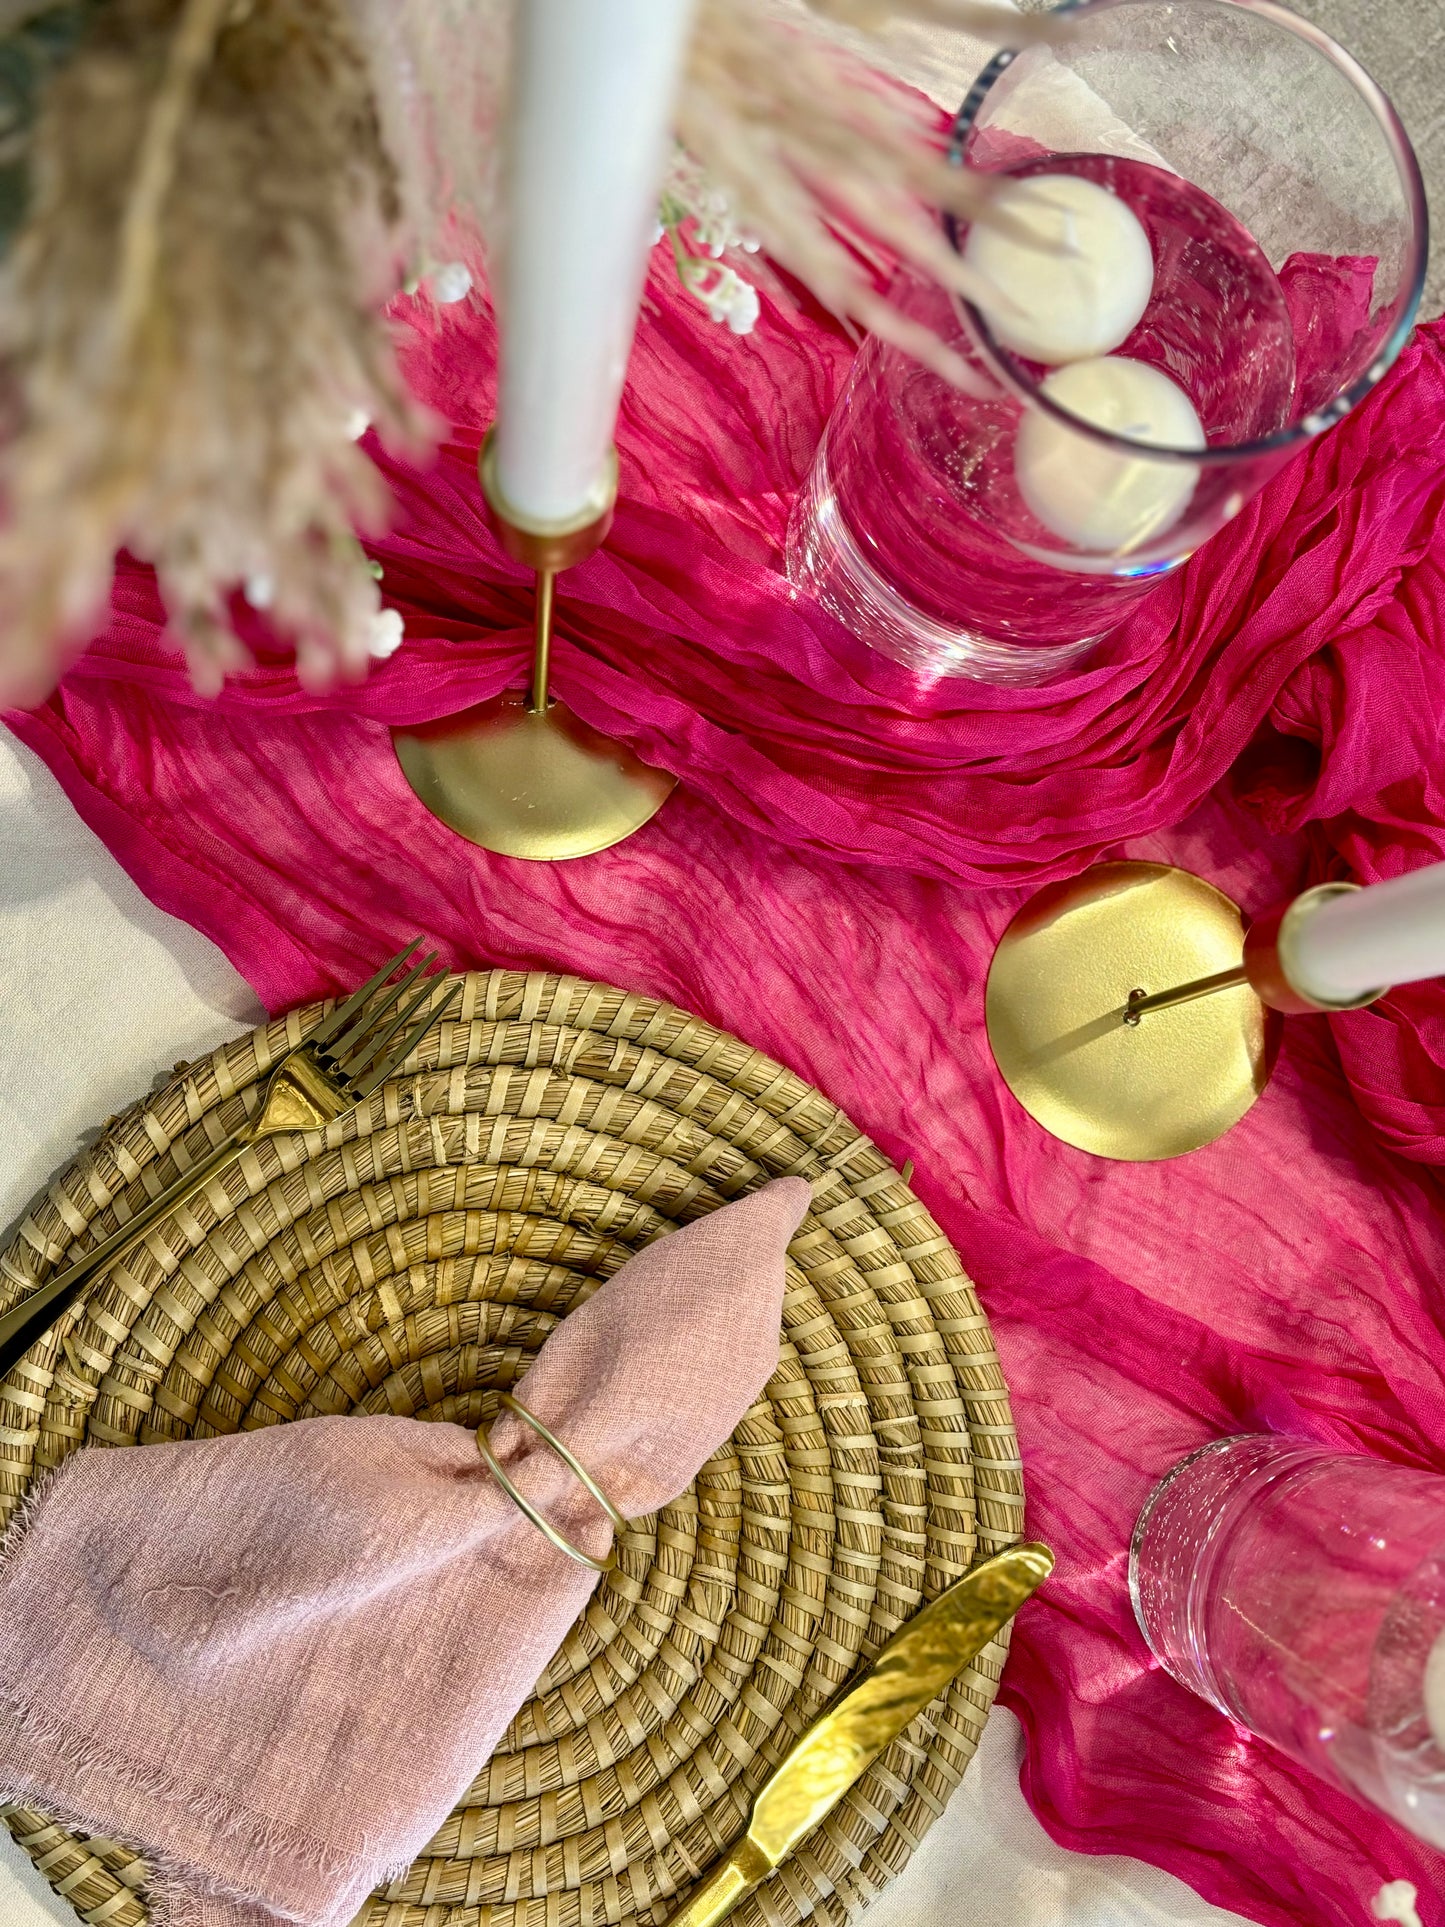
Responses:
[1099,497]
[1078,287]
[1389,933]
[1433,1690]
[592,93]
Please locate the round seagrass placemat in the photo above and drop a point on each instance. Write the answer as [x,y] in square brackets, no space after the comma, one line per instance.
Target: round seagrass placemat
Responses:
[411,1259]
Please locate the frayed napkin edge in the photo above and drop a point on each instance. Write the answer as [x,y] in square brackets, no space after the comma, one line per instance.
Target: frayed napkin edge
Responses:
[174,1892]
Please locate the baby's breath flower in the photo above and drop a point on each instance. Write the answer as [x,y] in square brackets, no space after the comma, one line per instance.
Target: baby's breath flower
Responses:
[387,634]
[733,300]
[451,282]
[693,203]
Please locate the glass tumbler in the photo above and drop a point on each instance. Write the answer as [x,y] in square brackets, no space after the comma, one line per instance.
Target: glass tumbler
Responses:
[1302,1592]
[1001,534]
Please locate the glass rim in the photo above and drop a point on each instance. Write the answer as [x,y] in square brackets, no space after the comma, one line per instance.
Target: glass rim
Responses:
[1004,367]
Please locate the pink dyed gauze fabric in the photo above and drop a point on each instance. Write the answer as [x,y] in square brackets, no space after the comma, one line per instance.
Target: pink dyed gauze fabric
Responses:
[1278,702]
[1310,625]
[276,1660]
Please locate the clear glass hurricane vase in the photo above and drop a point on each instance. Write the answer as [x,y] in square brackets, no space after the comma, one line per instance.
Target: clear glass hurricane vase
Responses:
[1286,219]
[1302,1592]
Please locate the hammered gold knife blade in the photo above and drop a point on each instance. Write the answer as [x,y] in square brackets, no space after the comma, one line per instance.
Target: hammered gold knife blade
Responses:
[913,1668]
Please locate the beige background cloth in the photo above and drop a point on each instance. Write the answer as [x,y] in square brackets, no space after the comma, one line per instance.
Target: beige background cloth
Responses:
[1402,44]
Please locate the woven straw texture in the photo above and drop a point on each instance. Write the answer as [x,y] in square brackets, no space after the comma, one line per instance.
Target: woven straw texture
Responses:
[411,1259]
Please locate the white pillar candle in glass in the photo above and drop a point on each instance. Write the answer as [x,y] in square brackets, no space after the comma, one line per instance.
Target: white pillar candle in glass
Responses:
[1094,495]
[593,83]
[1434,1692]
[1070,274]
[1389,933]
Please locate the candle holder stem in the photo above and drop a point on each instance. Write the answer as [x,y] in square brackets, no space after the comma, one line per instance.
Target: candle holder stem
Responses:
[542,646]
[522,775]
[1141,1003]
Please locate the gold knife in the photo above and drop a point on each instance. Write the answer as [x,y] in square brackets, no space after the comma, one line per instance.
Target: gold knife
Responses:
[915,1666]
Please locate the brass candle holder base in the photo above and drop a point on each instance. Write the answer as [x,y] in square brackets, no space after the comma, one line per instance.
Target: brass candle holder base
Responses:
[529,783]
[1074,1041]
[521,776]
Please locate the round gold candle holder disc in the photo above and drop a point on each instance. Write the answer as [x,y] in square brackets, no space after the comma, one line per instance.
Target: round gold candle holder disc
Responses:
[1058,988]
[544,786]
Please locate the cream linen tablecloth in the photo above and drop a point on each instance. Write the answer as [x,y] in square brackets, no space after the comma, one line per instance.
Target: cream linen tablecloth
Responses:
[100,992]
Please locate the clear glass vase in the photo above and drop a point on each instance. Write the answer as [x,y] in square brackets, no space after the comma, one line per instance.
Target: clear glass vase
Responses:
[1286,219]
[1302,1592]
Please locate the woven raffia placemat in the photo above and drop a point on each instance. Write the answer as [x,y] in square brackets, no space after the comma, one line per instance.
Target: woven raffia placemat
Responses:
[412,1259]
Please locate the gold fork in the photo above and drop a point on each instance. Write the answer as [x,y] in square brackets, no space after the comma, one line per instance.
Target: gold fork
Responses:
[334,1069]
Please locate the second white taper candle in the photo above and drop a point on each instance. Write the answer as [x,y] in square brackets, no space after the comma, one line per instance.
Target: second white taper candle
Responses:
[1389,933]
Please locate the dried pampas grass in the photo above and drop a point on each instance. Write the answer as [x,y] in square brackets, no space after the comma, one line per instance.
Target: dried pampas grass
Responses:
[439,70]
[825,161]
[191,322]
[224,193]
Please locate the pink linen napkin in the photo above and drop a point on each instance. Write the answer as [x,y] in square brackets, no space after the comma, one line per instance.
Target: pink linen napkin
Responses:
[274,1661]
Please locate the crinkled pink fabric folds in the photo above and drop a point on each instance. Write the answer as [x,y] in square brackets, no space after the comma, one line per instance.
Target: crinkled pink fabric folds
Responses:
[1316,614]
[1273,710]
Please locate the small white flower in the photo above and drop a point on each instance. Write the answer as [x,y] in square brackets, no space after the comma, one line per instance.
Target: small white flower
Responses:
[716,231]
[1396,1901]
[658,230]
[451,282]
[696,210]
[259,590]
[357,423]
[387,634]
[745,309]
[733,300]
[718,294]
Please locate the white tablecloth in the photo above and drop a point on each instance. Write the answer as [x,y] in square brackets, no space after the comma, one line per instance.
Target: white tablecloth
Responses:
[99,993]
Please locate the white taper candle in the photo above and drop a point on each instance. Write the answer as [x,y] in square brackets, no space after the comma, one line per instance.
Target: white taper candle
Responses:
[1390,933]
[589,121]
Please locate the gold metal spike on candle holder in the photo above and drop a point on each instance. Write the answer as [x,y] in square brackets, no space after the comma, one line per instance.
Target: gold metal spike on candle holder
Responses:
[522,775]
[1129,1014]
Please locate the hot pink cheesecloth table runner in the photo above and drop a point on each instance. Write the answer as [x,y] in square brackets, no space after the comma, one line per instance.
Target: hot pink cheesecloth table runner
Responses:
[275,1661]
[829,885]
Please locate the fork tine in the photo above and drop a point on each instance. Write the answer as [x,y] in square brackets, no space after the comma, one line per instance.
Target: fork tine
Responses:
[368,1048]
[379,1075]
[352,1043]
[329,1027]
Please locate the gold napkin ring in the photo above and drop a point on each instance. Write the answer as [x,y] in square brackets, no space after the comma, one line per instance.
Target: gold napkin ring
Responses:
[573,1464]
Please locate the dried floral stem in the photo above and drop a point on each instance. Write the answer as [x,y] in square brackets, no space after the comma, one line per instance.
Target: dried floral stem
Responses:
[825,161]
[140,240]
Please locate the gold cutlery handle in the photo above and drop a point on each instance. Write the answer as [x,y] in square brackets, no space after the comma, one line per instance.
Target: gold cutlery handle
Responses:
[728,1883]
[25,1323]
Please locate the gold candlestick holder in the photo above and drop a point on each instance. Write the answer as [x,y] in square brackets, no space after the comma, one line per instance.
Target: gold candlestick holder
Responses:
[1131,1015]
[522,775]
